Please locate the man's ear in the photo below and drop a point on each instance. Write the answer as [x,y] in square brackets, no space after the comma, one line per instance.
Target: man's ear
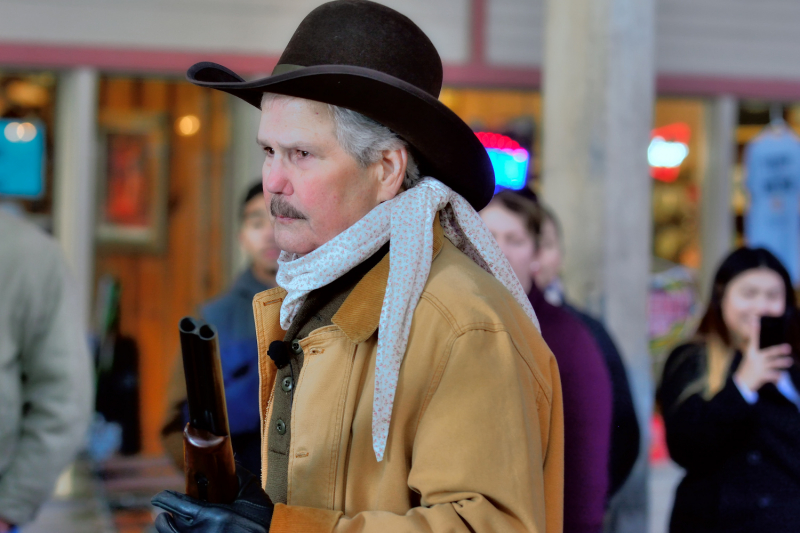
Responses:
[391,173]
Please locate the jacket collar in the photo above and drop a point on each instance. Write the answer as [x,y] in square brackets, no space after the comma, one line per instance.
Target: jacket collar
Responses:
[360,314]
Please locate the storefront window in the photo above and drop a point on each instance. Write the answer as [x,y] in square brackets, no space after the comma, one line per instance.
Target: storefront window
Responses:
[677,155]
[163,179]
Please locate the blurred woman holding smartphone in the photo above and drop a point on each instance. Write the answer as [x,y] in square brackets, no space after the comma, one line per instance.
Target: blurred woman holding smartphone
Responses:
[732,409]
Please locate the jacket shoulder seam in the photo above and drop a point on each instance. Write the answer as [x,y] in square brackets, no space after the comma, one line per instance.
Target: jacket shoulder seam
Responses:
[455,326]
[441,367]
[443,311]
[492,327]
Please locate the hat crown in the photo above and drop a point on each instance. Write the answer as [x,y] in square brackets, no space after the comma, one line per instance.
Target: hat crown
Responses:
[366,34]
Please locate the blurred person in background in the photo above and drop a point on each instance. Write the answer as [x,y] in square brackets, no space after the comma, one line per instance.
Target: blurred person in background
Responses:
[625,427]
[405,384]
[731,408]
[515,223]
[45,370]
[232,315]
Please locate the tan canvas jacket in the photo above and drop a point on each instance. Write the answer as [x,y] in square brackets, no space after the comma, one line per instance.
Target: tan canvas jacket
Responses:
[476,438]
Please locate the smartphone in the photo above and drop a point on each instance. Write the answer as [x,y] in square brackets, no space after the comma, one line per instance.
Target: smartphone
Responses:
[774,331]
[782,330]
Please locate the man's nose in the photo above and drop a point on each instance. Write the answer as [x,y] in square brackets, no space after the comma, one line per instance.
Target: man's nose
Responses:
[275,176]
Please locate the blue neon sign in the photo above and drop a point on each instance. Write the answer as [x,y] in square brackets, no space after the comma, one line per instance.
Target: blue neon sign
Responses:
[509,160]
[510,167]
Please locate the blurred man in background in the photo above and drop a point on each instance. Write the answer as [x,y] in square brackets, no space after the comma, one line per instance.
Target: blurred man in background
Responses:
[232,315]
[45,373]
[515,223]
[625,427]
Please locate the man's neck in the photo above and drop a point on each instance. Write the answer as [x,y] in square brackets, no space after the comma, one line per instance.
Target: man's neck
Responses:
[267,277]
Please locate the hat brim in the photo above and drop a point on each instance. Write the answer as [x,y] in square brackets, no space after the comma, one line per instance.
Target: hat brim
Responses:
[449,148]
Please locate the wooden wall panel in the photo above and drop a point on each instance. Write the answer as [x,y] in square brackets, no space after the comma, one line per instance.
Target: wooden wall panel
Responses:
[218,138]
[159,289]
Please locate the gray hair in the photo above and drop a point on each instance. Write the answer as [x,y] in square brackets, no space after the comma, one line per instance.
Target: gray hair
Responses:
[364,139]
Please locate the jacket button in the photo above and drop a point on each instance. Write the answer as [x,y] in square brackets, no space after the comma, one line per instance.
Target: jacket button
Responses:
[286,384]
[754,458]
[764,502]
[280,427]
[296,347]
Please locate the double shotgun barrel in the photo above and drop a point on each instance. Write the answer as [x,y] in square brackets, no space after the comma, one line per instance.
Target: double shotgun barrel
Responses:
[208,455]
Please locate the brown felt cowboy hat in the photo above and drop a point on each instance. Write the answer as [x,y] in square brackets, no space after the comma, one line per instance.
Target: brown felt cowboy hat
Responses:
[369,58]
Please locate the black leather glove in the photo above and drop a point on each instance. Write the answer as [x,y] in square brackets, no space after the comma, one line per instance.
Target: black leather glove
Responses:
[251,512]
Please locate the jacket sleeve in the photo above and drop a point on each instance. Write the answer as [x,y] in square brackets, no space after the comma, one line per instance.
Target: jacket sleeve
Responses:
[700,431]
[488,451]
[57,388]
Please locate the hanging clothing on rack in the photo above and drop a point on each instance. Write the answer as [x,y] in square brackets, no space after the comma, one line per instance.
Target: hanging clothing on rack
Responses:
[772,163]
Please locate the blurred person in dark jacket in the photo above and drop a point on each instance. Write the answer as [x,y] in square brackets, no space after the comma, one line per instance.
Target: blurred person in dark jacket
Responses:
[45,370]
[515,223]
[731,408]
[625,427]
[232,315]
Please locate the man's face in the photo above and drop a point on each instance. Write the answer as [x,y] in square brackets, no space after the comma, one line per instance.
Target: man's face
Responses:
[318,189]
[517,244]
[257,237]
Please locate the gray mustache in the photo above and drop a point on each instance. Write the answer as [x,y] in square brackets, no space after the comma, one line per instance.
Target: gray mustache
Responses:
[279,207]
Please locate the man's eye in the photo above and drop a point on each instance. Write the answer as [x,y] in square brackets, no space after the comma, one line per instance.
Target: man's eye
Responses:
[302,153]
[268,150]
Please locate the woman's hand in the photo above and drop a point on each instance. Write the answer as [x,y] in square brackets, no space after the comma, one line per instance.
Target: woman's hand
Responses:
[760,367]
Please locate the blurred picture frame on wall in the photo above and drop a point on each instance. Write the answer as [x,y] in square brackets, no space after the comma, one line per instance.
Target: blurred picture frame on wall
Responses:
[133,189]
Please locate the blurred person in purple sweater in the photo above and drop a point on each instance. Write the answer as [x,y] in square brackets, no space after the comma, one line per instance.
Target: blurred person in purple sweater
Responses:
[625,434]
[516,222]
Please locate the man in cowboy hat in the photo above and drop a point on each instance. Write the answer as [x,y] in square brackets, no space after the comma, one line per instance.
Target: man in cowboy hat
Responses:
[404,382]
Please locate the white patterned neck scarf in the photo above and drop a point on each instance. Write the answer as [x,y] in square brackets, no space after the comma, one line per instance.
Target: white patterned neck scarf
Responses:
[407,220]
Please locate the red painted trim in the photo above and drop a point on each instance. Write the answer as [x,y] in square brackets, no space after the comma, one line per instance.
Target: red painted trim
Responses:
[127,59]
[767,89]
[474,74]
[483,75]
[176,62]
[478,36]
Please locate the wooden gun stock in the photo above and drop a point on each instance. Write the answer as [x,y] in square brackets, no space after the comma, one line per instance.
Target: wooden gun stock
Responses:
[208,455]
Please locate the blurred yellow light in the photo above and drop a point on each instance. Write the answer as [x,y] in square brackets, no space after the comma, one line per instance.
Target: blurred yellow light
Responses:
[20,132]
[187,125]
[27,94]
